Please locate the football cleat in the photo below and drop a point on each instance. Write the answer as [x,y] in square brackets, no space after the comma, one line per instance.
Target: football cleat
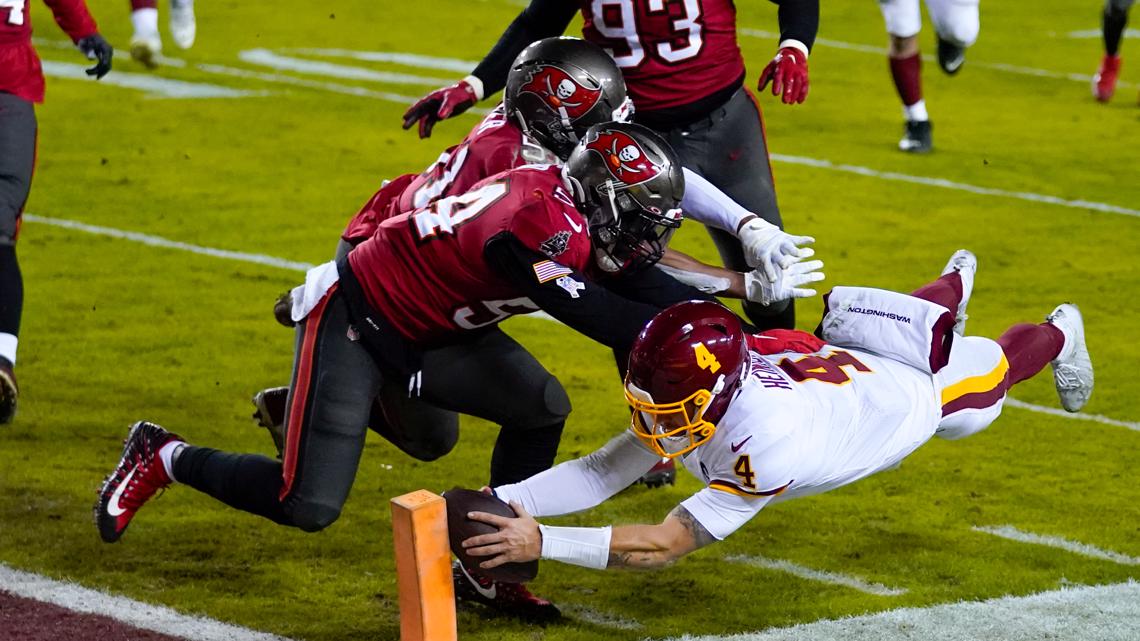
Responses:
[183,27]
[9,391]
[662,474]
[951,56]
[146,49]
[1104,82]
[134,480]
[918,138]
[966,264]
[512,599]
[1072,369]
[270,406]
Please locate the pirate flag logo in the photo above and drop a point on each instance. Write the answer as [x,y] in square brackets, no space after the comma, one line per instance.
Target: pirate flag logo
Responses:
[558,90]
[624,157]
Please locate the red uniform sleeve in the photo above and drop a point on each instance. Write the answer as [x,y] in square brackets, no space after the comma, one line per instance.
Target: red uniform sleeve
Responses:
[73,17]
[558,231]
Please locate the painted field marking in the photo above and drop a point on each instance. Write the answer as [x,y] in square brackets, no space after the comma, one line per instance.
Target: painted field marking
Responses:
[267,58]
[1087,613]
[1076,547]
[810,574]
[396,57]
[44,43]
[154,86]
[996,66]
[599,618]
[1080,416]
[1086,34]
[135,613]
[284,263]
[950,184]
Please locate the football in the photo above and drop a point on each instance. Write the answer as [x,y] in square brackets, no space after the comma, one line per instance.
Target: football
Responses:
[460,528]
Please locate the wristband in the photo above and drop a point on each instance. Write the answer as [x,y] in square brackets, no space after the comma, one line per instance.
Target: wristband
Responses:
[792,43]
[588,547]
[477,86]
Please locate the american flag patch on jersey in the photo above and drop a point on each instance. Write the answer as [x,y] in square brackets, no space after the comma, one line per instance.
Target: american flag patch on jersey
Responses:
[549,270]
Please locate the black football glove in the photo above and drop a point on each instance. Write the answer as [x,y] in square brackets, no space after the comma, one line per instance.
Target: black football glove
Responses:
[98,49]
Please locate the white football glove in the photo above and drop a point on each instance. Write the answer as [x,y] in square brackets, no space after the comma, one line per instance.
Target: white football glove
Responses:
[769,249]
[787,284]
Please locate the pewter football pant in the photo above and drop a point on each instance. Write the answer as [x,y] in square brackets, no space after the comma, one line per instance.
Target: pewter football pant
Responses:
[730,150]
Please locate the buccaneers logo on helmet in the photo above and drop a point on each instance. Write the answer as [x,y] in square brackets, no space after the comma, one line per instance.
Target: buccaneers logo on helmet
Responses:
[624,157]
[559,90]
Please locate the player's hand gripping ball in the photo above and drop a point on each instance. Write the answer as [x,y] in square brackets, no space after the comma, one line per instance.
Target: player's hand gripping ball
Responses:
[461,528]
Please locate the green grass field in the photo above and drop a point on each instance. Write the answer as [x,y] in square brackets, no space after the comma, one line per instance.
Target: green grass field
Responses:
[115,330]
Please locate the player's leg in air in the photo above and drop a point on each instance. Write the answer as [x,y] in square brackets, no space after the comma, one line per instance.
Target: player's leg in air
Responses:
[981,371]
[904,21]
[183,25]
[17,158]
[146,43]
[1113,21]
[956,23]
[335,379]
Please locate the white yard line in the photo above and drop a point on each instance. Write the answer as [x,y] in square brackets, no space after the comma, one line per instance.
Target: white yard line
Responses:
[135,613]
[154,86]
[1098,613]
[996,66]
[1079,416]
[950,184]
[811,574]
[396,57]
[284,263]
[1097,33]
[596,617]
[276,61]
[1076,547]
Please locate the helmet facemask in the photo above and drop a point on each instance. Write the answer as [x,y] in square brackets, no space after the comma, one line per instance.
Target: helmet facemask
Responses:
[672,429]
[627,234]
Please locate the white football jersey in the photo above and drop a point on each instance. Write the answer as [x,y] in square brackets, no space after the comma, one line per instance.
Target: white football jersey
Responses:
[803,424]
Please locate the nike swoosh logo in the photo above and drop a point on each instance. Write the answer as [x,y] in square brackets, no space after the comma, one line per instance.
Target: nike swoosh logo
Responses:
[736,446]
[573,225]
[488,593]
[113,508]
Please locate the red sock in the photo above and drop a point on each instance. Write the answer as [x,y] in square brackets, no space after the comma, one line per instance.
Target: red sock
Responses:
[143,4]
[907,73]
[946,291]
[1029,348]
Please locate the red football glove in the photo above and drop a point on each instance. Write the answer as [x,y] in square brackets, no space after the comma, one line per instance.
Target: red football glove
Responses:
[440,104]
[778,341]
[788,73]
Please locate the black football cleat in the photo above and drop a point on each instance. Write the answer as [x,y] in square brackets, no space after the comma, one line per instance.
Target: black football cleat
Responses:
[662,474]
[270,406]
[134,480]
[511,599]
[9,391]
[951,56]
[918,137]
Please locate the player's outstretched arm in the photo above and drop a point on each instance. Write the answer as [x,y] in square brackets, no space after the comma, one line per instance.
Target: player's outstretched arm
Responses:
[540,19]
[523,539]
[73,17]
[753,286]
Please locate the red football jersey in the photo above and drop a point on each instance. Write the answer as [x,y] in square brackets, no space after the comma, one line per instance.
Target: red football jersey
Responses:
[20,70]
[493,146]
[426,272]
[671,52]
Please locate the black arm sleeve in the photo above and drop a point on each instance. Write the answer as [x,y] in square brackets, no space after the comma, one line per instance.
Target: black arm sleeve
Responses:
[573,299]
[654,287]
[540,19]
[799,20]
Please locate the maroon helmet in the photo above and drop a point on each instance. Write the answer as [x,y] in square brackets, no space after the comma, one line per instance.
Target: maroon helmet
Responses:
[683,369]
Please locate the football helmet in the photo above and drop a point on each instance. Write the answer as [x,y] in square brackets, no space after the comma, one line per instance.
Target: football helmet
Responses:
[628,183]
[684,368]
[558,87]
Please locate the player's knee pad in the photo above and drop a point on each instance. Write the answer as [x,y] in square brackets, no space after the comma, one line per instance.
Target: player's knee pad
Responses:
[902,17]
[552,404]
[1117,6]
[313,516]
[432,445]
[956,21]
[967,422]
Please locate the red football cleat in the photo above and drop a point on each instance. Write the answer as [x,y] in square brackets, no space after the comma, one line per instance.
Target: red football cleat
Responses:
[662,474]
[135,479]
[512,599]
[1104,82]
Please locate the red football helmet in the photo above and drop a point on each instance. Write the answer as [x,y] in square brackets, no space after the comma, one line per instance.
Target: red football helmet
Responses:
[683,369]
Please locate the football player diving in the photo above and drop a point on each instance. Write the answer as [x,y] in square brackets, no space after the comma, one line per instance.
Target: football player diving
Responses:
[766,419]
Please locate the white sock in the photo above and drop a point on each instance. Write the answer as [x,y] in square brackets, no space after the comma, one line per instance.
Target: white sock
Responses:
[8,347]
[166,454]
[916,112]
[145,22]
[181,3]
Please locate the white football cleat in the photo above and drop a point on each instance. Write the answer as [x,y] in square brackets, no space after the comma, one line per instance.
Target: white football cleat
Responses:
[183,27]
[146,49]
[1072,369]
[966,264]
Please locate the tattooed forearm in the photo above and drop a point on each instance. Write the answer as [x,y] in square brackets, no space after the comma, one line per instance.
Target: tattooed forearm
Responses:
[701,536]
[639,560]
